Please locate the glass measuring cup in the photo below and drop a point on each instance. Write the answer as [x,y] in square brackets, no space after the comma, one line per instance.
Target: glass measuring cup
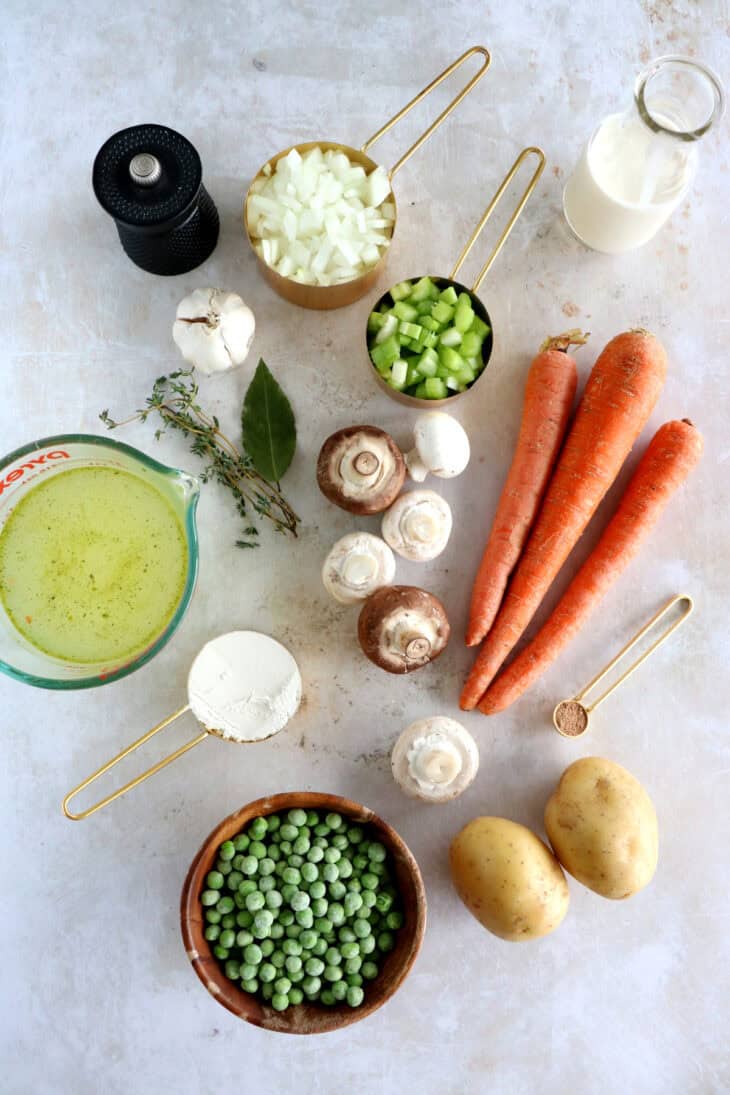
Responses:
[571,717]
[25,468]
[445,282]
[210,699]
[344,293]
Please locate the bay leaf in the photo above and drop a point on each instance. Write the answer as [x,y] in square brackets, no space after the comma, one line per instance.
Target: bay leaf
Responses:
[269,426]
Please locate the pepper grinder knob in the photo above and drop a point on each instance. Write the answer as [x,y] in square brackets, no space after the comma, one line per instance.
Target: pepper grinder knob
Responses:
[145,169]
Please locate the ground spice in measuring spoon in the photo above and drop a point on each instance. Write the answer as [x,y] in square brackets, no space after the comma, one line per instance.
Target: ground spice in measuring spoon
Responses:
[571,718]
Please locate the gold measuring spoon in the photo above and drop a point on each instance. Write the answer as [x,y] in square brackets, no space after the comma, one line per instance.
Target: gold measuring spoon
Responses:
[571,717]
[226,697]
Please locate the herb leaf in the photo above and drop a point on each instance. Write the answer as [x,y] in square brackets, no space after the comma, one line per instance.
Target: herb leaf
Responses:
[269,428]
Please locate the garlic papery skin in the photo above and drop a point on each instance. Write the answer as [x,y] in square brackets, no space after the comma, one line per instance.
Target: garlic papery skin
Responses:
[441,447]
[213,330]
[418,525]
[356,566]
[435,759]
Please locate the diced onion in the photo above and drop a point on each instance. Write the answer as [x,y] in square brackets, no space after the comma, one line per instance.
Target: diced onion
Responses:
[319,218]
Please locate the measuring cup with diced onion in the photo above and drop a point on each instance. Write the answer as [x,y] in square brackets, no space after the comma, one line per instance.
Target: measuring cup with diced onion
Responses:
[242,687]
[432,334]
[314,245]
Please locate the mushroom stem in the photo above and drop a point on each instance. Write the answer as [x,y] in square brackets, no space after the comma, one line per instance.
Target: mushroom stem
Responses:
[416,646]
[366,463]
[437,761]
[416,467]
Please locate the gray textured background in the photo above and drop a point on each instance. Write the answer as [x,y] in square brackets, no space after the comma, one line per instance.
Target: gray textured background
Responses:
[97,995]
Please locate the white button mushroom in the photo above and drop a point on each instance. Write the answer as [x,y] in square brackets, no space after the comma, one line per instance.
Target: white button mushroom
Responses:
[402,628]
[213,330]
[361,469]
[356,566]
[441,447]
[435,759]
[418,525]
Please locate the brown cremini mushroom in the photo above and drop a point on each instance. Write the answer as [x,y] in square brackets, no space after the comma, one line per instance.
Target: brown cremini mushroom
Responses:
[361,469]
[402,628]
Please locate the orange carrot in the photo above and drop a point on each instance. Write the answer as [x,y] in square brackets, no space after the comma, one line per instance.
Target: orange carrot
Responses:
[619,397]
[549,394]
[671,455]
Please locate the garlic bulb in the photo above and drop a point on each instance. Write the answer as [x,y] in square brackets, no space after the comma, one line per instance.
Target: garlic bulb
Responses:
[213,330]
[441,447]
[418,525]
[435,759]
[356,566]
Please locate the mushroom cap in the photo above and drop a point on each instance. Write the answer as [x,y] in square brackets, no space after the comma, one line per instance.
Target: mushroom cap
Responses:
[442,444]
[357,565]
[435,759]
[361,469]
[402,628]
[418,525]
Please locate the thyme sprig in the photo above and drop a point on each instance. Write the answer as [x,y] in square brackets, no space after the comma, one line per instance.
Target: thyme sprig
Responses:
[174,399]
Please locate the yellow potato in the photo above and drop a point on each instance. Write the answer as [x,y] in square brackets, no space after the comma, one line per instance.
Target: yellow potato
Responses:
[508,879]
[603,828]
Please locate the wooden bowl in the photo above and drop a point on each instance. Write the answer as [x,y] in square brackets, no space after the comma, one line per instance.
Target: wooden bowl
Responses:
[304,1018]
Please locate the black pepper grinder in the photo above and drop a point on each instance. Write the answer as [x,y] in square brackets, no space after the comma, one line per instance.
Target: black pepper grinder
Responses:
[150,180]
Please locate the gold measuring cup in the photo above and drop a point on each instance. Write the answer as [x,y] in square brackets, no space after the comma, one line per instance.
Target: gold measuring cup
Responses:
[445,282]
[205,732]
[338,296]
[571,717]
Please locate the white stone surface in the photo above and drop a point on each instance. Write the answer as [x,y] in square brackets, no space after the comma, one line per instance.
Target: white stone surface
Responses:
[97,995]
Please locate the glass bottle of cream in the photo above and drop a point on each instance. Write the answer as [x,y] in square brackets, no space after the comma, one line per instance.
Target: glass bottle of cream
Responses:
[638,165]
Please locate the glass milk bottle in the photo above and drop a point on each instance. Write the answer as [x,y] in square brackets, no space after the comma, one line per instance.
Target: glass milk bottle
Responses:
[638,165]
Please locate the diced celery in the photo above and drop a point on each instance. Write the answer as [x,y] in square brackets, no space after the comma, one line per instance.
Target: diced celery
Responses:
[388,327]
[453,384]
[464,313]
[430,338]
[442,312]
[471,344]
[450,359]
[450,337]
[405,343]
[401,290]
[429,322]
[466,376]
[410,330]
[384,307]
[423,308]
[429,355]
[449,295]
[399,373]
[479,327]
[420,392]
[414,374]
[386,353]
[427,366]
[375,321]
[404,310]
[421,290]
[443,372]
[435,388]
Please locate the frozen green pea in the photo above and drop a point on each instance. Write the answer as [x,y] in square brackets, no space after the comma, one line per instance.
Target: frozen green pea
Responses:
[311,985]
[236,862]
[262,923]
[383,902]
[333,957]
[323,925]
[294,931]
[386,942]
[301,845]
[288,890]
[350,949]
[332,855]
[320,947]
[369,881]
[335,821]
[220,951]
[320,842]
[232,970]
[337,890]
[321,829]
[378,869]
[225,905]
[293,963]
[312,818]
[339,990]
[266,865]
[273,822]
[327,997]
[339,840]
[225,866]
[360,862]
[250,986]
[355,834]
[227,938]
[212,932]
[289,832]
[319,906]
[354,885]
[317,889]
[291,946]
[361,928]
[277,959]
[253,954]
[369,970]
[346,934]
[366,911]
[353,965]
[353,902]
[315,854]
[394,920]
[286,917]
[273,899]
[267,991]
[261,931]
[215,880]
[239,901]
[292,876]
[369,898]
[285,846]
[241,842]
[244,919]
[314,967]
[295,995]
[258,828]
[209,897]
[296,860]
[248,972]
[304,917]
[267,883]
[280,1001]
[367,945]
[344,868]
[255,901]
[336,913]
[355,996]
[276,931]
[309,872]
[257,849]
[212,916]
[332,973]
[282,984]
[247,886]
[267,972]
[267,947]
[250,864]
[330,872]
[274,852]
[297,817]
[353,978]
[228,921]
[377,852]
[307,939]
[227,850]
[243,938]
[234,880]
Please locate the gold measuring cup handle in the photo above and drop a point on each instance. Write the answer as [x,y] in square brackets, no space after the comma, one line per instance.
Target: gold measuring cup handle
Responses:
[532,151]
[588,707]
[422,95]
[138,779]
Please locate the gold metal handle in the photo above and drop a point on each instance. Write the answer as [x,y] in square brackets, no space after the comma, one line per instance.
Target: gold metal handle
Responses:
[630,644]
[422,95]
[492,206]
[138,779]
